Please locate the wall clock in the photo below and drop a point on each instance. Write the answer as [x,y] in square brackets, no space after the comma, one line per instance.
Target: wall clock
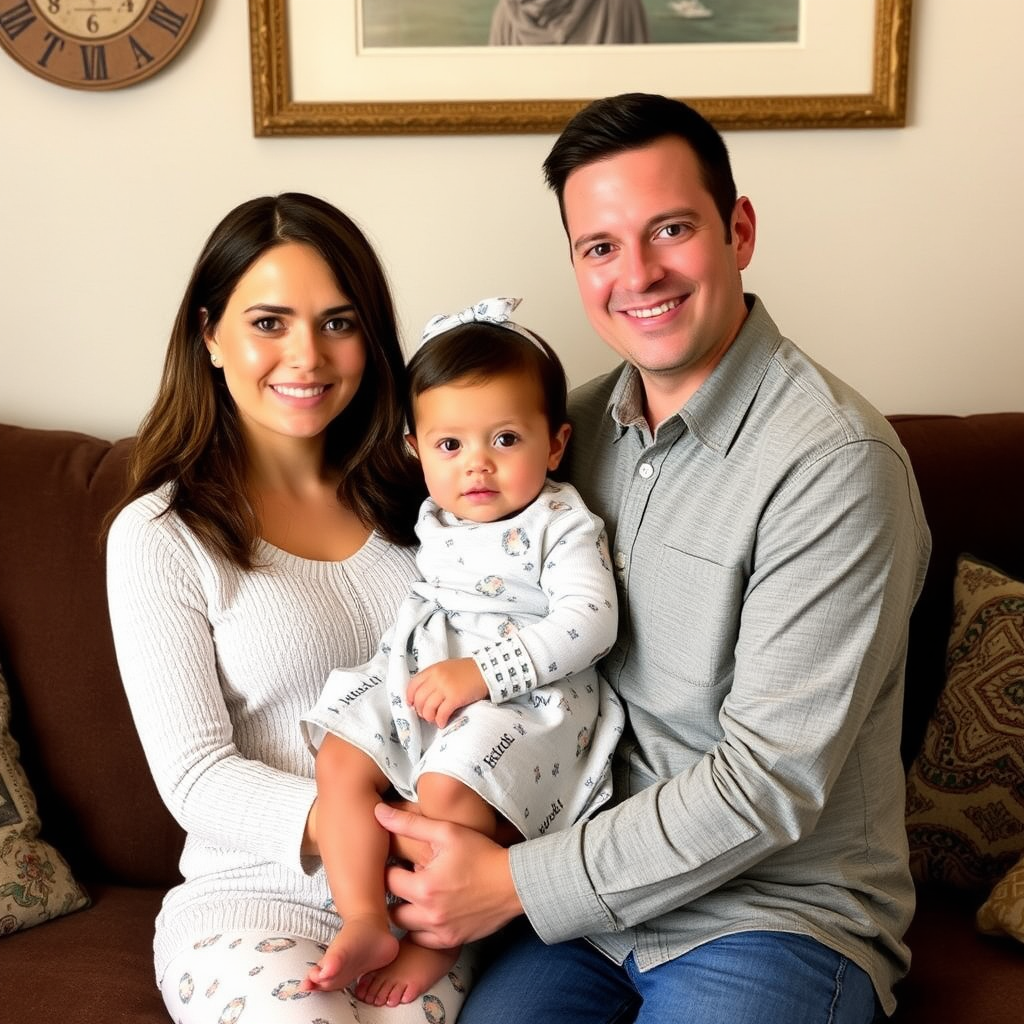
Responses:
[96,44]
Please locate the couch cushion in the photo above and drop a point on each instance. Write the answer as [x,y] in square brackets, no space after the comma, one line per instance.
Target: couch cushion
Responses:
[1003,912]
[970,470]
[965,789]
[96,966]
[36,884]
[957,976]
[79,747]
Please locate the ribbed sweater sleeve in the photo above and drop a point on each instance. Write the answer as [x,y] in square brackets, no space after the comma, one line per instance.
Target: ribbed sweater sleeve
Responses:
[219,664]
[166,654]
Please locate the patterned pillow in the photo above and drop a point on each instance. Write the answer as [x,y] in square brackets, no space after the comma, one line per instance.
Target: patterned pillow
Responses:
[1003,912]
[965,789]
[35,882]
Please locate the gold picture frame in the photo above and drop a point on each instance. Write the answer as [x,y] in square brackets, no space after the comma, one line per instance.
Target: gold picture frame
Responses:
[277,112]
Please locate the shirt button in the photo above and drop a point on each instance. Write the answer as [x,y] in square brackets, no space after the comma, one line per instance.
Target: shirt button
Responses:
[646,470]
[620,560]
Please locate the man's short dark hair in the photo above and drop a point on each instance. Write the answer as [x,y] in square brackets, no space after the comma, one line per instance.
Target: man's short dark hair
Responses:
[617,124]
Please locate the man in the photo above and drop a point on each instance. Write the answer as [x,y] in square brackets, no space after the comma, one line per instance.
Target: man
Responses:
[769,544]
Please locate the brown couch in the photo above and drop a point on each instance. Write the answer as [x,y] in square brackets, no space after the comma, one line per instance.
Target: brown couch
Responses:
[100,809]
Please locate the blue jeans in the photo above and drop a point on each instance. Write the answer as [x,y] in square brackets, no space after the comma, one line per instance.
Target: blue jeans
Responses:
[748,978]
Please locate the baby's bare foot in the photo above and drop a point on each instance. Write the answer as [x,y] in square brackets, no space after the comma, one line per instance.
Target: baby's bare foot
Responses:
[362,945]
[407,977]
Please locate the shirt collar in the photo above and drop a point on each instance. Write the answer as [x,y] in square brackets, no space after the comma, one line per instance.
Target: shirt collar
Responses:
[714,413]
[625,404]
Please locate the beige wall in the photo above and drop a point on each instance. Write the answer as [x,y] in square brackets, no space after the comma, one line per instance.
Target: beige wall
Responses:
[891,255]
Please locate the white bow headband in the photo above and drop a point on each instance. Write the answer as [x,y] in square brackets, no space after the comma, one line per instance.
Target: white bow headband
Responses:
[487,311]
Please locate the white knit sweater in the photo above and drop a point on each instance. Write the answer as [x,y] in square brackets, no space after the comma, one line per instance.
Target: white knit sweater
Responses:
[218,665]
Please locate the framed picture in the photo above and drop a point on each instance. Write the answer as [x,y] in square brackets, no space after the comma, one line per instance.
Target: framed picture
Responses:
[379,67]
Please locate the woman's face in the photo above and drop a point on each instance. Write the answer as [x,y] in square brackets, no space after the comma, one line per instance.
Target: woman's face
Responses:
[290,346]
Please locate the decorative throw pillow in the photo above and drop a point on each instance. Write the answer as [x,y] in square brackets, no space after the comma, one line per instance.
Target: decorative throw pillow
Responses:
[1003,912]
[35,882]
[965,789]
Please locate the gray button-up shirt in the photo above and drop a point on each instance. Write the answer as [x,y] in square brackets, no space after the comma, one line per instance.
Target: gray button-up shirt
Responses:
[768,544]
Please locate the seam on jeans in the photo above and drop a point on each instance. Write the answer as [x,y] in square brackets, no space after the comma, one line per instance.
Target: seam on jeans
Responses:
[838,991]
[626,1015]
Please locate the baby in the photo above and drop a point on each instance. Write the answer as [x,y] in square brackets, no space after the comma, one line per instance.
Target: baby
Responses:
[482,704]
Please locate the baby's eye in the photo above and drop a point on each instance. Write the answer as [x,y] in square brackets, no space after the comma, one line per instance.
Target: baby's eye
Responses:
[448,444]
[506,439]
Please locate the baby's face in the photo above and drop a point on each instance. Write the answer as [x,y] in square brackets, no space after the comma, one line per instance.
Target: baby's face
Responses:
[486,446]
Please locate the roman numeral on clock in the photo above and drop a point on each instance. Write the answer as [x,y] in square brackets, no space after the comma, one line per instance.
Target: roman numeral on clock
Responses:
[16,19]
[171,20]
[94,60]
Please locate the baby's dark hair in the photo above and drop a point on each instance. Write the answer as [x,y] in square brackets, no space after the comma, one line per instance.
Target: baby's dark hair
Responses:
[478,351]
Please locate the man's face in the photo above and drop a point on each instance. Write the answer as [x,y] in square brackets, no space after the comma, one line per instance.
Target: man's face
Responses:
[659,282]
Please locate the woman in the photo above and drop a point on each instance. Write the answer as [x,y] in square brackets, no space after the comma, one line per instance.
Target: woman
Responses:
[264,542]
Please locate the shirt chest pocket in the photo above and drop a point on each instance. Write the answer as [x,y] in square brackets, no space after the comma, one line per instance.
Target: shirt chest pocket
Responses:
[690,622]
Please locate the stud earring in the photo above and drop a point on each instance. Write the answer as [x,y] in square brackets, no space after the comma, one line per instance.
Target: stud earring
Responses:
[215,359]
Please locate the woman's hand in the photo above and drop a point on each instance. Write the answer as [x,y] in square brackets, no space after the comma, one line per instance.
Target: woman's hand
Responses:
[461,888]
[310,847]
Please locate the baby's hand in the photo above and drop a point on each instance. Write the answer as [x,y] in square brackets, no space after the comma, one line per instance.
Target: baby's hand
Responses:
[440,690]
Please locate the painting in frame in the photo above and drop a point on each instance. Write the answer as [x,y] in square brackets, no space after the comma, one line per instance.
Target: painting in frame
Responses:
[846,67]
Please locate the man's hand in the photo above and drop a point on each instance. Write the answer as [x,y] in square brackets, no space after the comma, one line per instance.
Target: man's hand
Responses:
[460,891]
[440,690]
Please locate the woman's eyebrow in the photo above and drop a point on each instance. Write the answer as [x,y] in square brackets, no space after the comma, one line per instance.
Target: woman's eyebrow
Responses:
[266,307]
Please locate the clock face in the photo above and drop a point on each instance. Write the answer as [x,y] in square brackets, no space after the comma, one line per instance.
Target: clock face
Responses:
[96,44]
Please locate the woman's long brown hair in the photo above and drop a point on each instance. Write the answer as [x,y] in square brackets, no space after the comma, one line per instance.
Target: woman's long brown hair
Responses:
[191,437]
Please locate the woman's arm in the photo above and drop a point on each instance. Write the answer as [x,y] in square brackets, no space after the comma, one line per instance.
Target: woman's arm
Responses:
[158,584]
